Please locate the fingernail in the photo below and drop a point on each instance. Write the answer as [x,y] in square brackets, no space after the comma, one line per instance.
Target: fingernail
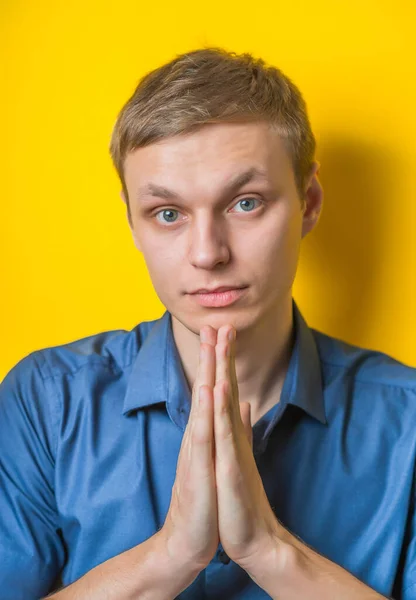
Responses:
[231,335]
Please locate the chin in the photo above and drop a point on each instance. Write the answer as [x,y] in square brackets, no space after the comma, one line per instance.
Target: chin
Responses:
[240,318]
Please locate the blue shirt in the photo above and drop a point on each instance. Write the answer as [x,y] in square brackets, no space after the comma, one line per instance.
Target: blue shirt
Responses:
[90,433]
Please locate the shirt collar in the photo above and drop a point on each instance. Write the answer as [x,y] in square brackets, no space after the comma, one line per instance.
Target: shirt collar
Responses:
[303,382]
[157,375]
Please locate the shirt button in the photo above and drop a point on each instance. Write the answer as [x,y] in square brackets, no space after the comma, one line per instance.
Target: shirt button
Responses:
[224,558]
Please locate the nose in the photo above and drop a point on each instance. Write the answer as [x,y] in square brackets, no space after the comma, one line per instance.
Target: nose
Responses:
[208,244]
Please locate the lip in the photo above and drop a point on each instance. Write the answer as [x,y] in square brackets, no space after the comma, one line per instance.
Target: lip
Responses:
[224,288]
[218,298]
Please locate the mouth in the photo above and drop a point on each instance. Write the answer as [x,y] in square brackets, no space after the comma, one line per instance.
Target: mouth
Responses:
[219,297]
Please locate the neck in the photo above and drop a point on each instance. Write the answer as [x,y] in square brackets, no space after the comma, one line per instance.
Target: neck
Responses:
[263,353]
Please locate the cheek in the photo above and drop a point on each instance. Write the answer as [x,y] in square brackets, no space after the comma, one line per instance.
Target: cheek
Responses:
[164,276]
[159,262]
[162,260]
[277,238]
[276,248]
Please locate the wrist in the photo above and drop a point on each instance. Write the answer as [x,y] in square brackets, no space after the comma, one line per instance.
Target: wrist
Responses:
[173,570]
[274,556]
[288,569]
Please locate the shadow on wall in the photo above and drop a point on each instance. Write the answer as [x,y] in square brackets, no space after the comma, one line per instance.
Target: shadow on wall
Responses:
[347,250]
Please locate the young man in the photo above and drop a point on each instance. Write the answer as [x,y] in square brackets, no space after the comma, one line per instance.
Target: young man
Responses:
[288,471]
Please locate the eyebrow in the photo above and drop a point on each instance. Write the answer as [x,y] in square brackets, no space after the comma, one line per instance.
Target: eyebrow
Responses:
[236,182]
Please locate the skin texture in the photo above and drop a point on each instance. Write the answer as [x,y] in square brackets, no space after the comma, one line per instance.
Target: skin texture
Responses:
[214,242]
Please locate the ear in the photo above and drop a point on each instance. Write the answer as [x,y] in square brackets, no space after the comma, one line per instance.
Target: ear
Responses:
[313,201]
[135,237]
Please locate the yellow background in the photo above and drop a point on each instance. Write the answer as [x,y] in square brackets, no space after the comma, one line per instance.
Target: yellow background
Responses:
[68,264]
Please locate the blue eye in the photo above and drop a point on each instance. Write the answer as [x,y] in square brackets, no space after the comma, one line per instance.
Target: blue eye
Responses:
[247,204]
[171,215]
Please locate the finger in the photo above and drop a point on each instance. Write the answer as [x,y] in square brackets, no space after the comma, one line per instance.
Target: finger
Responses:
[205,377]
[196,455]
[202,440]
[245,412]
[225,441]
[225,354]
[208,335]
[231,362]
[222,360]
[194,403]
[206,373]
[235,403]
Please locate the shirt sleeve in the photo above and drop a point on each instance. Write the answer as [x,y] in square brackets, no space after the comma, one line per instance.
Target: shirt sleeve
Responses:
[31,549]
[405,587]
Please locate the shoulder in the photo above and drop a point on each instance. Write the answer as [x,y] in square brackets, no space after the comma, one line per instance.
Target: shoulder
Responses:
[42,370]
[371,368]
[113,350]
[35,388]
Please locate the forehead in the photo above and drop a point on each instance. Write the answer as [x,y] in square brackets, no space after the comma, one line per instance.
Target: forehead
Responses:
[212,155]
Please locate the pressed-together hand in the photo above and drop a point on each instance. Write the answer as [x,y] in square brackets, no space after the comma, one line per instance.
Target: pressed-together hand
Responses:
[191,525]
[218,493]
[246,522]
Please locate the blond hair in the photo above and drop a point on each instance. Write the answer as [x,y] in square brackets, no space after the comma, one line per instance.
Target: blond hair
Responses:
[212,85]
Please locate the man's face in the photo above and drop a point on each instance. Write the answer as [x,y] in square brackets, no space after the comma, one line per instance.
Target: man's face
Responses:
[218,208]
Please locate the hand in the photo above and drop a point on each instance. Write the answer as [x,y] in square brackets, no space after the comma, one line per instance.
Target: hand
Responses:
[190,530]
[247,524]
